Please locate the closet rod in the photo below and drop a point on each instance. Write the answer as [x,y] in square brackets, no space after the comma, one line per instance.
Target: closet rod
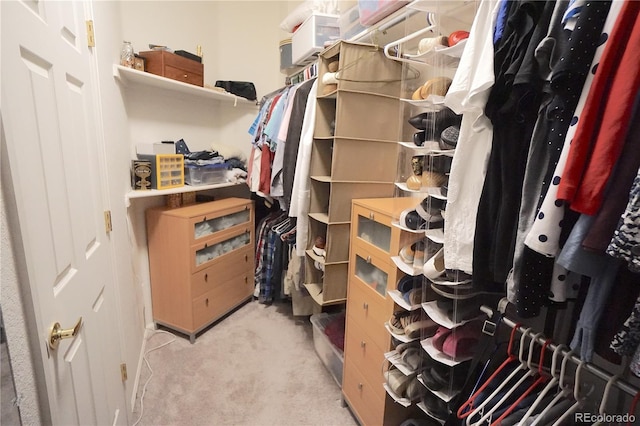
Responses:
[595,370]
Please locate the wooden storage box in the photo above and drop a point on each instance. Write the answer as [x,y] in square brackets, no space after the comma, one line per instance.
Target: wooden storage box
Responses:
[175,67]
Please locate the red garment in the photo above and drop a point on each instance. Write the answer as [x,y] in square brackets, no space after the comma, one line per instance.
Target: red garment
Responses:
[265,169]
[604,122]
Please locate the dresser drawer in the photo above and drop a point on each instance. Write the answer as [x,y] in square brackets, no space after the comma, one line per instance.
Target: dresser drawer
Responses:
[363,396]
[216,251]
[206,226]
[217,302]
[370,311]
[173,66]
[366,354]
[237,263]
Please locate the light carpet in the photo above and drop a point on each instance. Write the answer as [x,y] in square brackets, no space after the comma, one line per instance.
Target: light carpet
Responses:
[257,366]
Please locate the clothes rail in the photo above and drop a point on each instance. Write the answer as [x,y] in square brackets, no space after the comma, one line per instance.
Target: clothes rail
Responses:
[592,368]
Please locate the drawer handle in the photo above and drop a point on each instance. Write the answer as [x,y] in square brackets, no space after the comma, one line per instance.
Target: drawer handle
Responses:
[205,245]
[246,258]
[360,386]
[206,277]
[365,306]
[363,344]
[371,215]
[368,259]
[204,219]
[246,280]
[206,302]
[185,76]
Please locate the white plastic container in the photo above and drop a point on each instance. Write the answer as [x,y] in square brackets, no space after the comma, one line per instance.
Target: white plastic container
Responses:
[310,38]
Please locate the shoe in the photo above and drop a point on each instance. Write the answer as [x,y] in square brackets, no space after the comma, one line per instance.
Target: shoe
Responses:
[438,163]
[465,291]
[439,337]
[438,120]
[421,328]
[419,138]
[409,253]
[463,310]
[434,267]
[397,381]
[410,219]
[395,323]
[457,36]
[429,209]
[462,342]
[449,138]
[408,283]
[319,246]
[445,280]
[414,297]
[442,376]
[415,390]
[435,406]
[457,275]
[444,189]
[412,358]
[437,86]
[428,44]
[432,179]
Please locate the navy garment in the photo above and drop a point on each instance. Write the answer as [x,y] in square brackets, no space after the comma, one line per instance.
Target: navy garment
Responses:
[512,109]
[569,74]
[293,139]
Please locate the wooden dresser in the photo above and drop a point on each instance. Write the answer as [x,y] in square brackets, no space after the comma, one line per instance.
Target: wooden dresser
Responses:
[201,261]
[173,66]
[372,273]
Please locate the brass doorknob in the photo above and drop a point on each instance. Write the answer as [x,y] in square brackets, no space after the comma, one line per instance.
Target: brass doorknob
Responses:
[57,333]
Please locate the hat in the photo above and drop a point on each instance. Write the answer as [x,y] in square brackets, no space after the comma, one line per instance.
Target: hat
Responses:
[411,219]
[462,342]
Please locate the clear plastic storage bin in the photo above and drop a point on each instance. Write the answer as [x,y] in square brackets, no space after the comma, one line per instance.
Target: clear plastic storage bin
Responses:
[205,175]
[331,357]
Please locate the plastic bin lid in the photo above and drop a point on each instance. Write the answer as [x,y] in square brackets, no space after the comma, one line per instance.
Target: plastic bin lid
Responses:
[219,166]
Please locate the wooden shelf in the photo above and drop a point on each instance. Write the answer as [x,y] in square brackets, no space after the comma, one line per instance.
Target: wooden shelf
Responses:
[187,188]
[315,291]
[132,76]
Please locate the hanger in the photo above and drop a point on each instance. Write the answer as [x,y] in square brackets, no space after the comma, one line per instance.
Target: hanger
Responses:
[576,396]
[605,397]
[564,389]
[632,408]
[542,378]
[514,373]
[465,409]
[525,367]
[555,378]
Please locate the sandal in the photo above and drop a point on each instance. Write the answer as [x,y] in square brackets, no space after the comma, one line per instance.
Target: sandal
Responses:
[421,329]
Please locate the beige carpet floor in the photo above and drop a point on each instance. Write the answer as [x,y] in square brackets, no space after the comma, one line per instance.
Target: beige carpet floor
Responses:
[255,367]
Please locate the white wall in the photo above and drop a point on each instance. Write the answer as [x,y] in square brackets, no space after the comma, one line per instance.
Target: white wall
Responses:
[240,42]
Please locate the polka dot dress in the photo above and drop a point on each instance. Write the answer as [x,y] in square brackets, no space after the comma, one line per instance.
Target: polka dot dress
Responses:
[544,236]
[534,271]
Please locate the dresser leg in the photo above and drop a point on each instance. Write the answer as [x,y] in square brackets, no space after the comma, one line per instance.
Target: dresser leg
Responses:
[192,338]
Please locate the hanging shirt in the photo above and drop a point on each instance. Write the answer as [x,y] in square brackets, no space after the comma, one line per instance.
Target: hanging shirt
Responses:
[598,141]
[468,95]
[300,197]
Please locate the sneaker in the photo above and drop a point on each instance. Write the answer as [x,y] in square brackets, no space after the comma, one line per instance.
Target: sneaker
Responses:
[434,267]
[449,137]
[319,246]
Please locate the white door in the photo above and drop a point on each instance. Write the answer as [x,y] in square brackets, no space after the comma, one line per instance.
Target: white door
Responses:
[56,159]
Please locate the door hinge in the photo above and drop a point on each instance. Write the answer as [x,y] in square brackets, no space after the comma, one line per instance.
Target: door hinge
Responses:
[107,221]
[123,371]
[91,40]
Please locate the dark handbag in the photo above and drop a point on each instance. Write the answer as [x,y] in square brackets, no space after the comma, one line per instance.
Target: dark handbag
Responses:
[244,89]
